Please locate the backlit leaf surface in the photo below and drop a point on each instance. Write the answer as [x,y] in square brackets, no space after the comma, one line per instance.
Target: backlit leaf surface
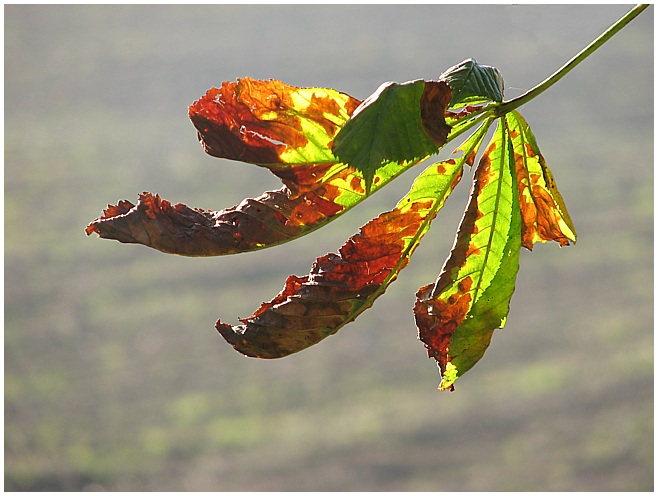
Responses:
[545,216]
[270,122]
[457,315]
[331,151]
[342,285]
[284,128]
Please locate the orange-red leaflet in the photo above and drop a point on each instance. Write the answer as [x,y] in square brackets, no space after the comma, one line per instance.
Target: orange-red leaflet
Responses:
[545,216]
[341,285]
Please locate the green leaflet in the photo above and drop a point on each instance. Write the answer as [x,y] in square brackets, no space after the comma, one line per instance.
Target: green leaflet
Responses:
[473,83]
[398,123]
[474,88]
[489,312]
[456,316]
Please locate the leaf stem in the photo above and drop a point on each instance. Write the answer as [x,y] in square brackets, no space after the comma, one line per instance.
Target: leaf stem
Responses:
[510,105]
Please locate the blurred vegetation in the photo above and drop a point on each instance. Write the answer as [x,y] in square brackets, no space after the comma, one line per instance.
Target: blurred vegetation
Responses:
[114,375]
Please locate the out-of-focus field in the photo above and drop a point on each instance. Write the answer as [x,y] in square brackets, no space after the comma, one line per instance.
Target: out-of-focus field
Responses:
[115,377]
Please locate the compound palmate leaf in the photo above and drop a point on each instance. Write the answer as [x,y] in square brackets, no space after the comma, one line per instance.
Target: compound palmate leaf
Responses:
[330,152]
[456,316]
[340,286]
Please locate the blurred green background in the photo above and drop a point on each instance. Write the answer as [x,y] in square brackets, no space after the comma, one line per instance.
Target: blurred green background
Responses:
[115,377]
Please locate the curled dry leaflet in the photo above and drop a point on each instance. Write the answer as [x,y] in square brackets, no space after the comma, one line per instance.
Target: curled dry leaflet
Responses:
[330,152]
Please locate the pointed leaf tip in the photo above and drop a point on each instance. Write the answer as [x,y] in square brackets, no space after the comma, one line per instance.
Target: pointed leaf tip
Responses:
[544,213]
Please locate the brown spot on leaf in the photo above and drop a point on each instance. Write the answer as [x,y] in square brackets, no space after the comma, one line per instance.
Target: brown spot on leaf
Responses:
[302,178]
[539,211]
[356,184]
[433,102]
[529,151]
[463,111]
[437,319]
[548,217]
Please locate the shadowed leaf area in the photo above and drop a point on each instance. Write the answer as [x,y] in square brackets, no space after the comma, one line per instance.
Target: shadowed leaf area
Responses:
[341,285]
[472,82]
